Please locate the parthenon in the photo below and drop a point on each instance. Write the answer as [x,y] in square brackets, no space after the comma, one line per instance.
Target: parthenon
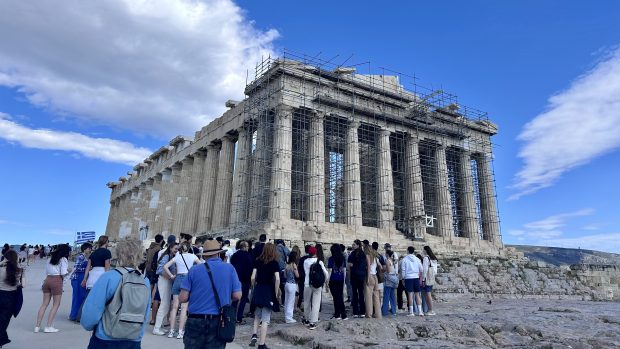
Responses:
[316,152]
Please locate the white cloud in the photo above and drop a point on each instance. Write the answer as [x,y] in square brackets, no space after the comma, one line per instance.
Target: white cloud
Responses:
[157,67]
[547,228]
[97,148]
[599,242]
[554,222]
[580,124]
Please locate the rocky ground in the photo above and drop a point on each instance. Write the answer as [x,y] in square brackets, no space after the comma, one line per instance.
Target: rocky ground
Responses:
[465,323]
[462,321]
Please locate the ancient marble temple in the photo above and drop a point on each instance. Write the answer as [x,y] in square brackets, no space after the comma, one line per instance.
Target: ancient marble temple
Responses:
[320,153]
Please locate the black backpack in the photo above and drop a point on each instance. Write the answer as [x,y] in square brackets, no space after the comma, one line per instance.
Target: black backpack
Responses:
[154,263]
[316,277]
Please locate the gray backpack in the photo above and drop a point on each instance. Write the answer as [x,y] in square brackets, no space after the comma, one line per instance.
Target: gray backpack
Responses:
[124,314]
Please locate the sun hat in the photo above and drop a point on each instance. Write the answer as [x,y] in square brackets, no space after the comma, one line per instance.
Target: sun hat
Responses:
[211,247]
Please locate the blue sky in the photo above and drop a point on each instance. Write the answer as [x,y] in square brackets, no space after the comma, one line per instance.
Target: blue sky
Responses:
[88,89]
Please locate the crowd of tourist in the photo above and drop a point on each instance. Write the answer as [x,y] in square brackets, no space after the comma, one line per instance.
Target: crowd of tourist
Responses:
[183,289]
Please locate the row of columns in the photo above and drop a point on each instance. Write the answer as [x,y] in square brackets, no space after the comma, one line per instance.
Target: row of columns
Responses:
[200,194]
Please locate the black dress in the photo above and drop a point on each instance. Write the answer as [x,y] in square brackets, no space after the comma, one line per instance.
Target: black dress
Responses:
[264,290]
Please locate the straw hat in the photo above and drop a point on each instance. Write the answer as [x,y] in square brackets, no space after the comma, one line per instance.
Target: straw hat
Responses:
[210,248]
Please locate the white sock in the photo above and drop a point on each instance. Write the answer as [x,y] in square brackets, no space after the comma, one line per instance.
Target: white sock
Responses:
[420,309]
[411,309]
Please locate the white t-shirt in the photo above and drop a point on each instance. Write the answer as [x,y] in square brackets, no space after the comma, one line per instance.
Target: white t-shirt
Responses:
[60,269]
[307,263]
[179,259]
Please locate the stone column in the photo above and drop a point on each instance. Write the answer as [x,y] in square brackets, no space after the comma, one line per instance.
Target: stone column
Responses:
[117,219]
[353,186]
[257,180]
[223,190]
[239,209]
[155,219]
[142,213]
[280,199]
[182,196]
[316,189]
[488,204]
[125,218]
[134,215]
[386,182]
[109,228]
[190,221]
[414,195]
[207,193]
[444,201]
[170,197]
[469,201]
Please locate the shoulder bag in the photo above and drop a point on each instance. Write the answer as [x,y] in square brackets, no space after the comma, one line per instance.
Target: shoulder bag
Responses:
[228,314]
[19,296]
[379,269]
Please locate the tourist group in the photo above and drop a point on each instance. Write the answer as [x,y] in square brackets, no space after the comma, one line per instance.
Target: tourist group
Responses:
[198,291]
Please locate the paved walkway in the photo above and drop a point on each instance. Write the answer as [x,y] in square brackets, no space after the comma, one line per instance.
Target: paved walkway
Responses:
[71,335]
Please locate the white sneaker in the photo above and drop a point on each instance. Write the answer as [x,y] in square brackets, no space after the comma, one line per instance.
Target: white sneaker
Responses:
[411,314]
[50,330]
[291,321]
[37,329]
[180,335]
[171,334]
[421,314]
[158,332]
[430,313]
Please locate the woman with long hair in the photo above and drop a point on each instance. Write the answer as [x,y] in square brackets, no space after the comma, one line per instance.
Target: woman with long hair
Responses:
[183,262]
[337,274]
[390,285]
[164,285]
[429,267]
[98,263]
[297,251]
[79,270]
[56,269]
[266,280]
[11,277]
[290,287]
[320,255]
[371,291]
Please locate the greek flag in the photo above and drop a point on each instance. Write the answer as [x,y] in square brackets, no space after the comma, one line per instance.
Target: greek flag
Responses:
[84,236]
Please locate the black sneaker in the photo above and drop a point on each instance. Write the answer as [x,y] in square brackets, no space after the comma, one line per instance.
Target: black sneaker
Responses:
[263,346]
[345,318]
[305,322]
[312,327]
[254,340]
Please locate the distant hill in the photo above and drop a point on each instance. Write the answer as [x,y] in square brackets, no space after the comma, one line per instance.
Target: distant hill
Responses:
[567,256]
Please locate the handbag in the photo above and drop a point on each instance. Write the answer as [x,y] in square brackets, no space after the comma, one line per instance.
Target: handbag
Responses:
[228,314]
[19,298]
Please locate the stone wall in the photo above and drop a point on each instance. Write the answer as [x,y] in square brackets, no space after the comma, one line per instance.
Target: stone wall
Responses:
[520,278]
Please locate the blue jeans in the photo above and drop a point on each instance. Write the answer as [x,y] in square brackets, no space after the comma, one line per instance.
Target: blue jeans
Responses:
[202,334]
[389,300]
[78,297]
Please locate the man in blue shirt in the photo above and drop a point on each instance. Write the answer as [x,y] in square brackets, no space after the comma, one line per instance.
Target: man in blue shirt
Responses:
[204,315]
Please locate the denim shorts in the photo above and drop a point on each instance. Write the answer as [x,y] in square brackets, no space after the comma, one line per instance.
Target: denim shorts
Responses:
[176,285]
[264,314]
[412,285]
[427,288]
